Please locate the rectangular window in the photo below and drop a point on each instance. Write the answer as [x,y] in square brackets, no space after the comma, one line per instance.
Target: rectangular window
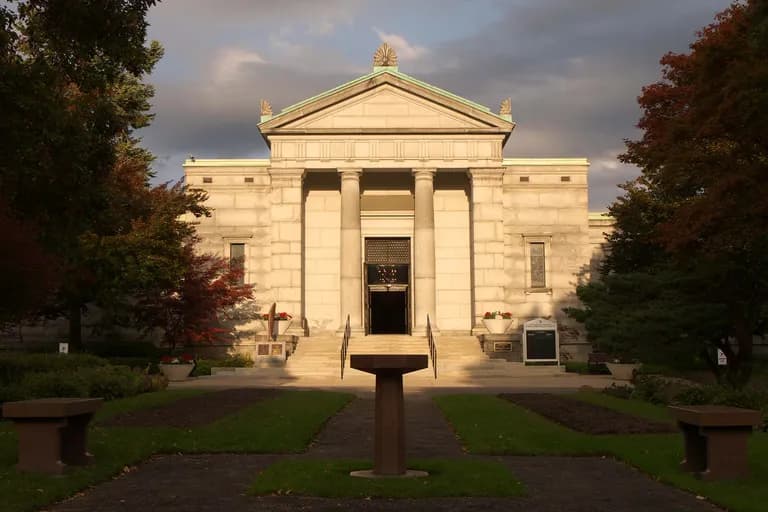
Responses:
[237,259]
[207,179]
[538,267]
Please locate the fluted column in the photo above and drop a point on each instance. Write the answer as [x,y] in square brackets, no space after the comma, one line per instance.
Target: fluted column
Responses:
[424,251]
[351,253]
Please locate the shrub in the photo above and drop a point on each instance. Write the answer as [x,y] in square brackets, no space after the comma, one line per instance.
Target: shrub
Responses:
[14,366]
[694,395]
[623,391]
[53,384]
[651,388]
[146,365]
[121,348]
[577,367]
[203,366]
[107,382]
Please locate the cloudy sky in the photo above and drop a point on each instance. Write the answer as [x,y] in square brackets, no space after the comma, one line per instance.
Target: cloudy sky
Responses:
[573,68]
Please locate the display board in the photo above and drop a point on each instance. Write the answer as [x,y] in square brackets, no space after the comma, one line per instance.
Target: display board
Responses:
[541,342]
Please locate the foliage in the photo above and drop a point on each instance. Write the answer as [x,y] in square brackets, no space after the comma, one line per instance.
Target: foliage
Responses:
[73,171]
[331,478]
[124,349]
[29,273]
[687,269]
[623,391]
[192,312]
[490,315]
[107,382]
[203,366]
[14,366]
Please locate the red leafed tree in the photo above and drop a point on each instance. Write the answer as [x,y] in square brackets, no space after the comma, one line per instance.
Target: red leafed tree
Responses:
[191,313]
[28,275]
[700,207]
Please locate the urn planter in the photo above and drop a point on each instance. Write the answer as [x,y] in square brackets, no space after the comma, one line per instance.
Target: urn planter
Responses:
[177,372]
[497,325]
[623,371]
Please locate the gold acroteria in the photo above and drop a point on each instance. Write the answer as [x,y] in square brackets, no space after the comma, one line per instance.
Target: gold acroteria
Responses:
[506,107]
[385,56]
[266,108]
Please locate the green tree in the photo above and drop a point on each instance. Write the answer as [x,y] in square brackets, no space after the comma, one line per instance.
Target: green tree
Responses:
[688,263]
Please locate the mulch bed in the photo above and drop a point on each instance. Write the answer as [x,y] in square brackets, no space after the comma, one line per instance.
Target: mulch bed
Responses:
[193,411]
[586,417]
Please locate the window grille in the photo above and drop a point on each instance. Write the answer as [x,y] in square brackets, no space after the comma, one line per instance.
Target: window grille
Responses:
[538,270]
[388,251]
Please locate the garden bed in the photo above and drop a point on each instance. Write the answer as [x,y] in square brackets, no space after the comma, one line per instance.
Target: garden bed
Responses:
[585,417]
[193,411]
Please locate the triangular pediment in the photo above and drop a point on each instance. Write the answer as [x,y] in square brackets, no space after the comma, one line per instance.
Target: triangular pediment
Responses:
[386,103]
[387,107]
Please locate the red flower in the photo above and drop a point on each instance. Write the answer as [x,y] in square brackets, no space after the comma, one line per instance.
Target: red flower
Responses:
[166,359]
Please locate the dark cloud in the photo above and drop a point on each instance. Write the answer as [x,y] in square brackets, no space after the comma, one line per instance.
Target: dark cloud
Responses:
[572,68]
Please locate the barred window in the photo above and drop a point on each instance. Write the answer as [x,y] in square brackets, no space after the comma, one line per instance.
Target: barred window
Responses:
[538,266]
[237,260]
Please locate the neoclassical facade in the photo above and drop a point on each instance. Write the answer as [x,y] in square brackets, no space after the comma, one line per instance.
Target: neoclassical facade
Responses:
[388,200]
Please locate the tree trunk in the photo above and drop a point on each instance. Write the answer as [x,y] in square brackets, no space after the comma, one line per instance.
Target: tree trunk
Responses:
[741,371]
[75,328]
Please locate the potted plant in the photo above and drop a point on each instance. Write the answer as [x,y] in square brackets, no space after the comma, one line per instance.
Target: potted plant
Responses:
[497,322]
[177,368]
[623,368]
[282,322]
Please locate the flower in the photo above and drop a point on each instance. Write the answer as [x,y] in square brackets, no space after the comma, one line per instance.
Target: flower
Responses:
[278,316]
[490,315]
[180,359]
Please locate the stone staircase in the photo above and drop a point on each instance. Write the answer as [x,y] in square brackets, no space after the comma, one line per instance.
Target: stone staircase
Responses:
[458,358]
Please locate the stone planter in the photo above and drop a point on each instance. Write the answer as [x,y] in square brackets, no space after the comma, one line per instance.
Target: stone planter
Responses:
[177,372]
[497,325]
[282,326]
[623,371]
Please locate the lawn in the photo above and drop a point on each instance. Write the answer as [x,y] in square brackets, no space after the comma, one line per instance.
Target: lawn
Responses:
[330,478]
[490,425]
[285,424]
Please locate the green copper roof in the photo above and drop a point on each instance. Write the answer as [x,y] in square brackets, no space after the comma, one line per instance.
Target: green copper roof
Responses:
[392,70]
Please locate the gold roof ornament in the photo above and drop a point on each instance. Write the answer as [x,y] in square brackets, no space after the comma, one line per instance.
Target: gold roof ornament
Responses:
[266,108]
[385,56]
[506,107]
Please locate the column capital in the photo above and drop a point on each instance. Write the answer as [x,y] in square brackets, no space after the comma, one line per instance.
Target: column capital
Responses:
[489,176]
[350,172]
[423,172]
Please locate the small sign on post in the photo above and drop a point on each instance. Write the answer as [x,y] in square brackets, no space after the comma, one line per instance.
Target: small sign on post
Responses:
[63,348]
[721,359]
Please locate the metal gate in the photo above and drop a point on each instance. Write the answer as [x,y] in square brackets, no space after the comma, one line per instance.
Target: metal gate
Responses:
[387,270]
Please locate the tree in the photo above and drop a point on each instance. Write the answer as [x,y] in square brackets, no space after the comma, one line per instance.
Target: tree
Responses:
[692,230]
[73,95]
[192,312]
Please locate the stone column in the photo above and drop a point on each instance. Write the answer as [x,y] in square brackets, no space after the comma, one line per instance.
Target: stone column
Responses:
[287,249]
[351,254]
[424,251]
[487,244]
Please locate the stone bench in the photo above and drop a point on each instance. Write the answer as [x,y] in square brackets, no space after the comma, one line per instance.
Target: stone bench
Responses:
[52,432]
[715,439]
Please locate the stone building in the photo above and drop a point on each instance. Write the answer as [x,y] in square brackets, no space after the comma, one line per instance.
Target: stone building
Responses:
[387,199]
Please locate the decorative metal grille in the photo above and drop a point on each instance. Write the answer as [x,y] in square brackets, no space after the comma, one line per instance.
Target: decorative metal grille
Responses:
[388,251]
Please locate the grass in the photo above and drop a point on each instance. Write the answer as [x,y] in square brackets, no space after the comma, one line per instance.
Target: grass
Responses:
[632,407]
[330,478]
[490,425]
[284,424]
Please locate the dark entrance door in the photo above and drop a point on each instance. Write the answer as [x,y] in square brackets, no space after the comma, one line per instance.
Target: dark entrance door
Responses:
[388,311]
[387,269]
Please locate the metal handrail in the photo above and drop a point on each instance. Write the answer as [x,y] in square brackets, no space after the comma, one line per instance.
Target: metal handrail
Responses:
[345,346]
[432,347]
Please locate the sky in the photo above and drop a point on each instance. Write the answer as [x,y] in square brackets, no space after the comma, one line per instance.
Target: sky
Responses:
[573,68]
